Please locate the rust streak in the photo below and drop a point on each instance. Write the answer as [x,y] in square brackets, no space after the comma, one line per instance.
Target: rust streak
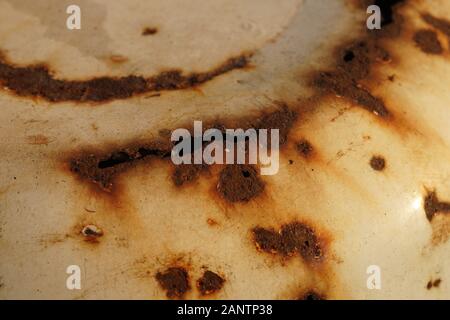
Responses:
[38,81]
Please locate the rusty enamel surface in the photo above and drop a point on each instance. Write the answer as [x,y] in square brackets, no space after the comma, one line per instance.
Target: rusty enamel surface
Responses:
[364,167]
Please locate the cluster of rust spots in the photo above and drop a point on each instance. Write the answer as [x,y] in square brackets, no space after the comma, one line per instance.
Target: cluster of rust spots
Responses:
[175,281]
[378,163]
[428,42]
[355,60]
[38,81]
[292,238]
[149,31]
[433,206]
[239,183]
[433,284]
[353,65]
[210,282]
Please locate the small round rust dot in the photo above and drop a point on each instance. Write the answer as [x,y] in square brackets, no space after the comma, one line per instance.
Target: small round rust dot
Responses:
[377,163]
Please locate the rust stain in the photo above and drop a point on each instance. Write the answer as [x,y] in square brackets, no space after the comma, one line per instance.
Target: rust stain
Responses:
[239,183]
[38,81]
[212,222]
[377,163]
[311,295]
[101,168]
[38,139]
[186,173]
[149,31]
[116,58]
[292,238]
[441,24]
[304,148]
[428,42]
[433,284]
[433,206]
[175,281]
[210,282]
[355,60]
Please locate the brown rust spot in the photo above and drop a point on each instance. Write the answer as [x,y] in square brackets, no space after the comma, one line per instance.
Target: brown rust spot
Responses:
[433,284]
[210,282]
[239,183]
[304,147]
[212,222]
[149,31]
[433,206]
[175,281]
[292,238]
[428,41]
[312,295]
[377,163]
[441,24]
[38,81]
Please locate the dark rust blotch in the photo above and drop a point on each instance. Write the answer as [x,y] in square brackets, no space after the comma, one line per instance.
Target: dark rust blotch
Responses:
[38,81]
[304,147]
[239,183]
[433,206]
[292,238]
[428,42]
[175,281]
[378,163]
[312,295]
[434,284]
[103,168]
[282,119]
[210,282]
[149,31]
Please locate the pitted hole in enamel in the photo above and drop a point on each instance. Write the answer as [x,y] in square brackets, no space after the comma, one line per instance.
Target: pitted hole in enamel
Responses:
[91,233]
